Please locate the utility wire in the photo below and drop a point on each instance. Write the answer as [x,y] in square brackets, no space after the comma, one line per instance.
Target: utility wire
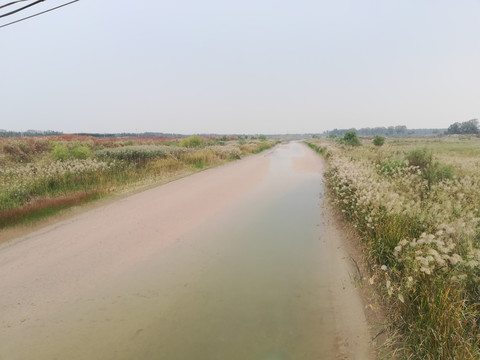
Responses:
[40,13]
[22,8]
[12,3]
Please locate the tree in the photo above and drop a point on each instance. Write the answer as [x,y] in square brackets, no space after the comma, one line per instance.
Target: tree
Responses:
[466,127]
[400,129]
[469,127]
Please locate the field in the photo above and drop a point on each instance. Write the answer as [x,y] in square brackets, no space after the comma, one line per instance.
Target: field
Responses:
[416,205]
[42,175]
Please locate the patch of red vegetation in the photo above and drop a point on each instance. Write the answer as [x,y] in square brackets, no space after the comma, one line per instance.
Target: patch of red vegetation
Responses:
[159,138]
[11,216]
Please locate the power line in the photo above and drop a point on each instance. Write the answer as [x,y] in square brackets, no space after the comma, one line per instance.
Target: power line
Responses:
[12,3]
[22,8]
[40,13]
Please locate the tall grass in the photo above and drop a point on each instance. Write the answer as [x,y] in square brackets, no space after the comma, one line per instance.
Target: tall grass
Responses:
[419,219]
[40,175]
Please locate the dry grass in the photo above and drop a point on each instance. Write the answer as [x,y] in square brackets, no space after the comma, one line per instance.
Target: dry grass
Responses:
[416,206]
[39,174]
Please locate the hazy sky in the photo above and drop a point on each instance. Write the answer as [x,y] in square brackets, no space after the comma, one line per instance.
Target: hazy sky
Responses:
[249,66]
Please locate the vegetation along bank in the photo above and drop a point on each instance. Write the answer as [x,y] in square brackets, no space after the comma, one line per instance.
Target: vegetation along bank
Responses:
[42,175]
[416,205]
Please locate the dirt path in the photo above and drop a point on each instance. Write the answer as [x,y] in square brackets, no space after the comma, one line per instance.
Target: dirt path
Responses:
[231,263]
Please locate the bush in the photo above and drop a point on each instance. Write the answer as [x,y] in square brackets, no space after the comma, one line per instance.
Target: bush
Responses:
[80,151]
[433,172]
[139,154]
[390,167]
[192,142]
[378,140]
[25,150]
[63,152]
[438,172]
[350,138]
[421,158]
[60,152]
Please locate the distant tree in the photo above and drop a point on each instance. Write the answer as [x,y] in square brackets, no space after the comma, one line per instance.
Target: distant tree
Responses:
[400,129]
[454,128]
[350,138]
[469,127]
[466,127]
[378,140]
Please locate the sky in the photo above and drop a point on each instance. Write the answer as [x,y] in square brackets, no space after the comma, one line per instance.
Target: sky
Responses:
[240,67]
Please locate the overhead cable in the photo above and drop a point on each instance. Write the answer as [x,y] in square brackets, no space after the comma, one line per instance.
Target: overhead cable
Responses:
[12,3]
[22,8]
[37,14]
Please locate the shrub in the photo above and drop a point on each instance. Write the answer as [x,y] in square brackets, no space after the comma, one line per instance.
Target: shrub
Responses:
[60,152]
[80,151]
[192,142]
[438,172]
[350,138]
[433,172]
[422,158]
[390,167]
[378,140]
[25,150]
[139,154]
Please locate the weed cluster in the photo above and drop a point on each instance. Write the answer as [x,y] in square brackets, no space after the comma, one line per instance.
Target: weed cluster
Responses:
[421,226]
[38,174]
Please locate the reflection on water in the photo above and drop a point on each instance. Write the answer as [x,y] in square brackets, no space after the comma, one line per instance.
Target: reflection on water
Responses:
[251,283]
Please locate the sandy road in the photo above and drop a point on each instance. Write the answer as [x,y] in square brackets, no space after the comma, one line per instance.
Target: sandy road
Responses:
[231,263]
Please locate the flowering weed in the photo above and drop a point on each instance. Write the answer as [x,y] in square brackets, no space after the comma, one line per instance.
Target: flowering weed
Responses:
[417,211]
[37,175]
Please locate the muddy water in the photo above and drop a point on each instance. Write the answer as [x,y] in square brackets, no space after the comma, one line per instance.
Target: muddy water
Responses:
[254,281]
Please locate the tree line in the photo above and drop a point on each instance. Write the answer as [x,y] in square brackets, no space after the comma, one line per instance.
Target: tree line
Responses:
[466,127]
[399,130]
